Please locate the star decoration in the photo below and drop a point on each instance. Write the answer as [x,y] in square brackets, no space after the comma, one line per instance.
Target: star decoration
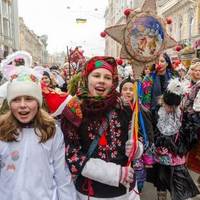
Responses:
[143,37]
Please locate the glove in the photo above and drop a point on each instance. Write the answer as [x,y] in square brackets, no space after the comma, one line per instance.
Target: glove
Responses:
[127,176]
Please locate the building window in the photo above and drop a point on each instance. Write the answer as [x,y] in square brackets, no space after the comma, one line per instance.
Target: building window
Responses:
[162,2]
[5,9]
[6,51]
[180,28]
[170,30]
[6,27]
[191,22]
[0,25]
[175,31]
[124,4]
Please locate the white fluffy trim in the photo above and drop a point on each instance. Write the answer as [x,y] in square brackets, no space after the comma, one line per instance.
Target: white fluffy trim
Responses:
[102,171]
[174,86]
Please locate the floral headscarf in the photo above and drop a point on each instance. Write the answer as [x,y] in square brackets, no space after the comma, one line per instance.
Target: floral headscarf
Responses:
[97,62]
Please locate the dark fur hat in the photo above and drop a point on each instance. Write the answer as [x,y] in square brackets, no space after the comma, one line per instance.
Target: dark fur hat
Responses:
[127,80]
[171,99]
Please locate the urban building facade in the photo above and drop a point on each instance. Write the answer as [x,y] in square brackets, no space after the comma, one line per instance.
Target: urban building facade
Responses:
[185,27]
[57,59]
[114,14]
[32,43]
[9,27]
[185,15]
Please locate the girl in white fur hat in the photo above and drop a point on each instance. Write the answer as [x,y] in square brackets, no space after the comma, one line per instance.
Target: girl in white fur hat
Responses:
[32,163]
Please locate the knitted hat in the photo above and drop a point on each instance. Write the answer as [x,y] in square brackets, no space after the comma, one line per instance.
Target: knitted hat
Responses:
[127,80]
[105,62]
[24,83]
[173,95]
[45,73]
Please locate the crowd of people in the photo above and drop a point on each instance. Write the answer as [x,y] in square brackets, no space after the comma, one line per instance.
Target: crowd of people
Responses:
[97,135]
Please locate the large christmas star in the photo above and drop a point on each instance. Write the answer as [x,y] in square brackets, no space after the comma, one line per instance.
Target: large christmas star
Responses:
[143,37]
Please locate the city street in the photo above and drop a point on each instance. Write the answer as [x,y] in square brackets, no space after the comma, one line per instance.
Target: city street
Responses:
[94,93]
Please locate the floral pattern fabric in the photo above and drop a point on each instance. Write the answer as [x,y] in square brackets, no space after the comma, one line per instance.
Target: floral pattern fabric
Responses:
[110,147]
[147,83]
[76,148]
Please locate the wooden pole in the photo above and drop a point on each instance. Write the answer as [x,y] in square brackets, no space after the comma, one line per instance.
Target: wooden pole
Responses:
[68,58]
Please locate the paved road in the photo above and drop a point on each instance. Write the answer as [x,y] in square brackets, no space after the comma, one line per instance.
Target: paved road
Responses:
[149,192]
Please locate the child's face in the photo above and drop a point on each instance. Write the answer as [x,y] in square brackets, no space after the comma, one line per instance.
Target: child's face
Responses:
[147,71]
[24,108]
[100,82]
[127,91]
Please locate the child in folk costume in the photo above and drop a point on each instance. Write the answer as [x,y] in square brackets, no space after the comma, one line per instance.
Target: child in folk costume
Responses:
[126,90]
[170,147]
[191,119]
[129,96]
[32,162]
[95,126]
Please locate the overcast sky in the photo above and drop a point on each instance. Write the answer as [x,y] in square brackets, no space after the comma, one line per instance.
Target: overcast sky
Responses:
[57,19]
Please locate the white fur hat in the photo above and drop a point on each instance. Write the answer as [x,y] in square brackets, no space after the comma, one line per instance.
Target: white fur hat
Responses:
[25,83]
[22,80]
[173,95]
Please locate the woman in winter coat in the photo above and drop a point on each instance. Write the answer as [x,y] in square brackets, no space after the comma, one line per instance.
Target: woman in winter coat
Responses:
[191,120]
